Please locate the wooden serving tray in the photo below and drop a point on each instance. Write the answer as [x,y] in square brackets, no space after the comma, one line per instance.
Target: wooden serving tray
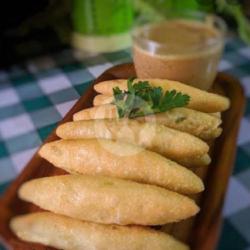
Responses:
[200,232]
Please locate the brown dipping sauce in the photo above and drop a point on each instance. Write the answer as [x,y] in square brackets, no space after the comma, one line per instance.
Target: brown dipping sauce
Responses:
[181,50]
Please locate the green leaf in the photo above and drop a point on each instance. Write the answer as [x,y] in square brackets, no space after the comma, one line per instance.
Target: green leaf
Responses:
[143,99]
[156,96]
[130,84]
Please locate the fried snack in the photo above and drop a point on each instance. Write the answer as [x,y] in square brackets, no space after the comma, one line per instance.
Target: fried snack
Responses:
[203,160]
[217,114]
[121,160]
[66,233]
[106,111]
[102,99]
[171,143]
[107,200]
[200,100]
[197,123]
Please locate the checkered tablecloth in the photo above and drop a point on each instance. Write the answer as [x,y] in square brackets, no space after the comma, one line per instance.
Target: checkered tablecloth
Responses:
[36,95]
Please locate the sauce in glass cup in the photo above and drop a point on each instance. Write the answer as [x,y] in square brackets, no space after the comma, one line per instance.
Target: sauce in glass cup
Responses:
[181,49]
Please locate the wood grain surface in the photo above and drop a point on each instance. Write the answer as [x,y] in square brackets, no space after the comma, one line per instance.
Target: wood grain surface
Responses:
[200,232]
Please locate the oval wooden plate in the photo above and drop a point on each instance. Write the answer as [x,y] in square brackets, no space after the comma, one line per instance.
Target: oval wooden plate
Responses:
[201,232]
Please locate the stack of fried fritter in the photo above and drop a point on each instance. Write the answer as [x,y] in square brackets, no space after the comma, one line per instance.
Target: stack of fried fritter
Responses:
[125,174]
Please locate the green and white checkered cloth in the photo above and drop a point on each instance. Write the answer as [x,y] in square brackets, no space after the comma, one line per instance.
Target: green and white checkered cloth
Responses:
[36,95]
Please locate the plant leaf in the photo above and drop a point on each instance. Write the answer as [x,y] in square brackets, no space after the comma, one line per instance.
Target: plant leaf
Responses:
[143,99]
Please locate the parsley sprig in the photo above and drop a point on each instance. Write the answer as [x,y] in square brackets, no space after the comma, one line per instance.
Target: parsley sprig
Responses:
[142,99]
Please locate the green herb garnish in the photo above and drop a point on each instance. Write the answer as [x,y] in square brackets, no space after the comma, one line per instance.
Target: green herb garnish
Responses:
[143,99]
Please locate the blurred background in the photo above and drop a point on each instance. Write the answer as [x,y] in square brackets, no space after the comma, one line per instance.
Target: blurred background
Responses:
[32,28]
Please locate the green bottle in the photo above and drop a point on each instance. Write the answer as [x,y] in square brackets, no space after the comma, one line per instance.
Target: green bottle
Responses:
[102,25]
